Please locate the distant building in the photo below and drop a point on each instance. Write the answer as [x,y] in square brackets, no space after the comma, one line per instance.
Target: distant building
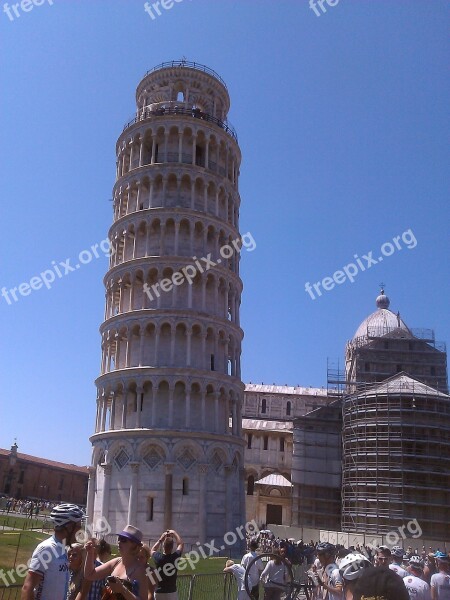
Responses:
[366,459]
[25,476]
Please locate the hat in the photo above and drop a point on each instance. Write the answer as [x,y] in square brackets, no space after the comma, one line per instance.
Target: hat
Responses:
[132,533]
[398,552]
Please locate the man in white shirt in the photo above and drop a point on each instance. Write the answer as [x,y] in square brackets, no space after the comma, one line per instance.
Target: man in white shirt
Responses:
[239,573]
[331,579]
[418,589]
[255,570]
[440,582]
[396,564]
[48,572]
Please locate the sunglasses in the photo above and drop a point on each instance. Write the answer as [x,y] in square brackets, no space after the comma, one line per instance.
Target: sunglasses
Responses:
[123,539]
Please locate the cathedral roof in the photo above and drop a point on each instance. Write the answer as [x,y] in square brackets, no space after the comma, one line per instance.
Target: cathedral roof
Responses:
[275,479]
[285,389]
[382,322]
[401,384]
[265,425]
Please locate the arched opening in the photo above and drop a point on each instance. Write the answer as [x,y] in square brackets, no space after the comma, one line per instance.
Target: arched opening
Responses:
[185,486]
[250,485]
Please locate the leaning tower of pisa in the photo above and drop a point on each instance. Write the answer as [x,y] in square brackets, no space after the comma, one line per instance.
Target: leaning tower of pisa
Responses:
[167,447]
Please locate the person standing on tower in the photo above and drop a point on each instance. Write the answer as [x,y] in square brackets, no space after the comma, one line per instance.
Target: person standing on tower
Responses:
[48,574]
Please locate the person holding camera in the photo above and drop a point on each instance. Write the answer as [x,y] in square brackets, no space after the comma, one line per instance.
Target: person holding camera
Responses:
[125,576]
[166,565]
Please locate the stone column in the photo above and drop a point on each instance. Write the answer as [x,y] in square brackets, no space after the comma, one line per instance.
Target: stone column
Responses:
[207,155]
[139,402]
[141,346]
[124,409]
[188,347]
[131,155]
[166,143]
[150,195]
[153,404]
[202,512]
[177,237]
[228,497]
[168,495]
[107,468]
[91,494]
[132,501]
[104,411]
[188,408]
[128,349]
[180,147]
[113,412]
[171,393]
[141,153]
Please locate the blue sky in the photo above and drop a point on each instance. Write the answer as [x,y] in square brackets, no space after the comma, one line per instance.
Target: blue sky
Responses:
[343,125]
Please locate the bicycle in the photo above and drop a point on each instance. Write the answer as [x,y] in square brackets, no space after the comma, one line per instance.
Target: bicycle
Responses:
[292,590]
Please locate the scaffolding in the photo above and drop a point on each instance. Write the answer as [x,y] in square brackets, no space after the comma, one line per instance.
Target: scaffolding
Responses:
[396,457]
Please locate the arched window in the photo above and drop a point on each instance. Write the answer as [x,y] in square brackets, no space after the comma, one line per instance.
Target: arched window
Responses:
[264,405]
[282,444]
[180,97]
[185,486]
[288,408]
[250,485]
[266,442]
[249,441]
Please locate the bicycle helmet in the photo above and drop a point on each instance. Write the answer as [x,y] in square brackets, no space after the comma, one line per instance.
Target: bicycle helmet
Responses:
[416,561]
[352,565]
[325,548]
[63,514]
[441,556]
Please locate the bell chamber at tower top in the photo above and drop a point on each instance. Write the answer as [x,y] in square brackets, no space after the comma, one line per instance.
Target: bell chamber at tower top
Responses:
[186,84]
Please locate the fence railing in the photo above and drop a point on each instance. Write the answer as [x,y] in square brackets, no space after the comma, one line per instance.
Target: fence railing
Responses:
[216,586]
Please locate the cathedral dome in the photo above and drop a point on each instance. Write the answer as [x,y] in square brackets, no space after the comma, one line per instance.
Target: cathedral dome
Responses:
[381,322]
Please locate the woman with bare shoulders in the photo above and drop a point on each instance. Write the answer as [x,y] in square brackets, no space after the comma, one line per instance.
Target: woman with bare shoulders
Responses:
[125,576]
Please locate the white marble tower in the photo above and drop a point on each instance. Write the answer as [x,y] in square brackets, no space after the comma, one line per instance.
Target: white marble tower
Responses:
[167,447]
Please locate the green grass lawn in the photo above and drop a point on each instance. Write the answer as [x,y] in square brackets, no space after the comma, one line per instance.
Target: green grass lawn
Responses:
[16,547]
[20,522]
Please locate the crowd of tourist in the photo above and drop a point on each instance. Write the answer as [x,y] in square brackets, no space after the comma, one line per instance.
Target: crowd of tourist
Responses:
[88,571]
[338,573]
[29,508]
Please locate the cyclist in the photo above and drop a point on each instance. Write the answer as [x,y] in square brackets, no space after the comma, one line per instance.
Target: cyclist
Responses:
[440,582]
[351,568]
[48,574]
[275,577]
[330,578]
[418,589]
[397,559]
[255,570]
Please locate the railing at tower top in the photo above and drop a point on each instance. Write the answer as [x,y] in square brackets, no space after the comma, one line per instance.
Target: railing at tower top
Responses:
[187,64]
[150,112]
